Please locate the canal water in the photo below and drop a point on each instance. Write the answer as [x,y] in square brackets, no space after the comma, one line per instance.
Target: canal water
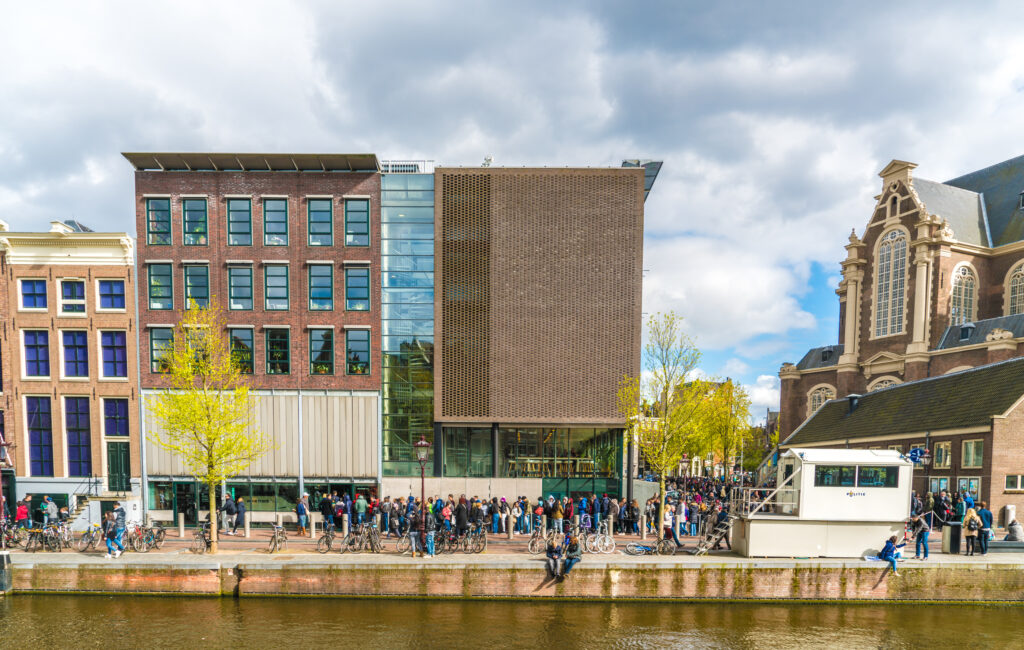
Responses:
[154,622]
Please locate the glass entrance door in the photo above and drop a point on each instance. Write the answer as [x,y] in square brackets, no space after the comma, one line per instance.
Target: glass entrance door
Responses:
[185,501]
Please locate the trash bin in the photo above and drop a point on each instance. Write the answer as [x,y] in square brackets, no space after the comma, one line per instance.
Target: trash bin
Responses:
[951,538]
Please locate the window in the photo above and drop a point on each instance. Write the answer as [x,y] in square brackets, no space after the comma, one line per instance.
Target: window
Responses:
[1015,291]
[882,383]
[40,436]
[834,475]
[241,349]
[966,330]
[321,222]
[818,397]
[76,412]
[240,287]
[972,453]
[278,352]
[194,222]
[158,222]
[111,294]
[275,287]
[115,417]
[321,287]
[941,457]
[197,286]
[115,354]
[33,294]
[76,354]
[37,353]
[239,222]
[357,352]
[161,286]
[898,448]
[1015,482]
[321,352]
[160,342]
[883,477]
[275,222]
[357,222]
[962,302]
[890,277]
[72,296]
[357,289]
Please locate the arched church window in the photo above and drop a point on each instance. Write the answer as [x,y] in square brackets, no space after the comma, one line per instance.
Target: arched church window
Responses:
[890,280]
[818,397]
[963,300]
[1015,291]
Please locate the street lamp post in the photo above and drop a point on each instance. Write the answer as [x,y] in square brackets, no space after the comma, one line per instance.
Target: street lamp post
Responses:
[422,453]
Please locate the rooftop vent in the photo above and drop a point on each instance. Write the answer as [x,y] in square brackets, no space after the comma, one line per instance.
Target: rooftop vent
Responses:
[853,399]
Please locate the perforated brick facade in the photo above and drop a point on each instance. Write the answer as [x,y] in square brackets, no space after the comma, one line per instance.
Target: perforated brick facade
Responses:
[538,300]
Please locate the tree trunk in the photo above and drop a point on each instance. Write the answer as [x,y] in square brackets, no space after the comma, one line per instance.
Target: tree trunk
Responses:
[661,515]
[214,524]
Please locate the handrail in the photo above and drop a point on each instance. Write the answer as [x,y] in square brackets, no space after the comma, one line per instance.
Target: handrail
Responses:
[774,492]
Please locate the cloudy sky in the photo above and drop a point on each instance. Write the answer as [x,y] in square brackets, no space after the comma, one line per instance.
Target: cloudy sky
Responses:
[773,119]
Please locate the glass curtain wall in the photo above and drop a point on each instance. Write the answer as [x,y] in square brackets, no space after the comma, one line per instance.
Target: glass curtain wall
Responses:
[407,318]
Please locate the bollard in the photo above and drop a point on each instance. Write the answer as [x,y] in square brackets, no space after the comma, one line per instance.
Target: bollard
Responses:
[544,523]
[344,525]
[611,526]
[280,519]
[6,579]
[643,527]
[509,526]
[312,527]
[377,520]
[181,524]
[247,528]
[576,521]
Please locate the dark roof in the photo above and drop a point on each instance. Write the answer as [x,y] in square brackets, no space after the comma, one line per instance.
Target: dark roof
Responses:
[260,162]
[1000,186]
[77,226]
[962,399]
[961,208]
[823,357]
[980,329]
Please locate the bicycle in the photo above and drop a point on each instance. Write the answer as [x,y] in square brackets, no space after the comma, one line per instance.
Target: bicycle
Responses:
[201,539]
[12,535]
[600,541]
[662,547]
[476,540]
[326,541]
[539,540]
[90,539]
[278,540]
[159,534]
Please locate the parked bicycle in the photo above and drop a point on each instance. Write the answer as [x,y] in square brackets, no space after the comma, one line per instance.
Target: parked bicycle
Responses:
[661,547]
[476,540]
[90,539]
[600,541]
[326,541]
[201,539]
[13,536]
[539,540]
[43,539]
[278,540]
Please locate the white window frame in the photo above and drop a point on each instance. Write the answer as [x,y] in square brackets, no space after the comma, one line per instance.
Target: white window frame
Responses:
[99,355]
[103,420]
[1016,272]
[892,320]
[972,306]
[21,297]
[963,454]
[811,411]
[60,346]
[84,301]
[948,445]
[114,310]
[1020,483]
[24,357]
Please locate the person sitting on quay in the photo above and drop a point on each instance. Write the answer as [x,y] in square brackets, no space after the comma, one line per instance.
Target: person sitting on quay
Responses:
[889,553]
[573,554]
[553,553]
[1014,532]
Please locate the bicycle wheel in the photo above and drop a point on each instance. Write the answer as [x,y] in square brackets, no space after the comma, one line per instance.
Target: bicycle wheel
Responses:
[141,544]
[606,545]
[666,547]
[53,544]
[282,544]
[480,544]
[85,542]
[536,545]
[198,544]
[158,537]
[273,544]
[324,544]
[403,544]
[634,549]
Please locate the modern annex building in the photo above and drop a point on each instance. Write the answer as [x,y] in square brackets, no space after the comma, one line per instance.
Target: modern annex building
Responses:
[489,311]
[69,401]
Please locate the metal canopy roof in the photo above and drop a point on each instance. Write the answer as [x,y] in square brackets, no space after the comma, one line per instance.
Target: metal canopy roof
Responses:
[265,162]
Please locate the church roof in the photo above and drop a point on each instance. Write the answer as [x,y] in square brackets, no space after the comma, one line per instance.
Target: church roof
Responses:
[962,399]
[957,336]
[822,357]
[1000,187]
[961,208]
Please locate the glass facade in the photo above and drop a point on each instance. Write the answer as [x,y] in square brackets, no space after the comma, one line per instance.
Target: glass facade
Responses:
[407,317]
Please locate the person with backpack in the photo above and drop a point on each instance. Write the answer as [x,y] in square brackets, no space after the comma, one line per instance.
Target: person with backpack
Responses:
[972,524]
[227,512]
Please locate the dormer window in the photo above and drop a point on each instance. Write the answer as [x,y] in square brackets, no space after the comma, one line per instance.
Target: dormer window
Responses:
[1020,202]
[826,354]
[966,330]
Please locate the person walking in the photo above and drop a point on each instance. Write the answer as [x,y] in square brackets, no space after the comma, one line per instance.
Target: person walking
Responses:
[986,526]
[920,529]
[110,536]
[971,524]
[227,512]
[119,525]
[239,516]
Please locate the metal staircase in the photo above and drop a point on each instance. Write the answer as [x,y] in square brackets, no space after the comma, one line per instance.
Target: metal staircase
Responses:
[714,536]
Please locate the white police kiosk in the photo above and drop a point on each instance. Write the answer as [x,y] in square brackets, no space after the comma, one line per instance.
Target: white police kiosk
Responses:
[827,503]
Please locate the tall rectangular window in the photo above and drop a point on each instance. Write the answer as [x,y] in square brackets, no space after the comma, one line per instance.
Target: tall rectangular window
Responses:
[321,222]
[76,413]
[242,348]
[111,294]
[357,289]
[115,354]
[76,354]
[161,286]
[194,223]
[115,417]
[275,287]
[72,296]
[158,222]
[278,352]
[321,287]
[321,352]
[973,453]
[942,455]
[275,222]
[37,353]
[240,287]
[197,286]
[160,343]
[33,294]
[357,222]
[239,222]
[40,436]
[357,352]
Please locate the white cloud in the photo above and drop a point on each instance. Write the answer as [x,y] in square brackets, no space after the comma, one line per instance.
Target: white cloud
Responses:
[764,394]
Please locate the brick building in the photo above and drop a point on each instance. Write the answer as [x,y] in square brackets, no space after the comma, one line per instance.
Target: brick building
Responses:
[972,421]
[289,246]
[934,284]
[70,389]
